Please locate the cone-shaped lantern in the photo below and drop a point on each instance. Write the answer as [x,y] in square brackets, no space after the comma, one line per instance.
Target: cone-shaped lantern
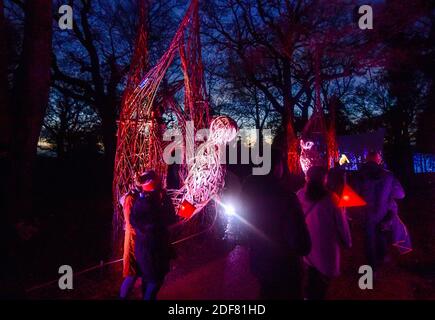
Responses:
[350,198]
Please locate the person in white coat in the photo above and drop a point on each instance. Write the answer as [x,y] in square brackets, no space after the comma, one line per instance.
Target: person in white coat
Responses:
[329,230]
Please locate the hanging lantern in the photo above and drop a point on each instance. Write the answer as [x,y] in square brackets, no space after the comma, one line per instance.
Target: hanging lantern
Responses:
[186,209]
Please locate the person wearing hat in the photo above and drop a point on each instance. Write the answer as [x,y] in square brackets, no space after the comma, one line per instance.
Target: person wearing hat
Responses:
[148,211]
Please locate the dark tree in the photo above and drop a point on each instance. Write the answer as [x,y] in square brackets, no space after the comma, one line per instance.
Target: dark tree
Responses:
[21,117]
[4,99]
[281,48]
[92,60]
[426,60]
[29,99]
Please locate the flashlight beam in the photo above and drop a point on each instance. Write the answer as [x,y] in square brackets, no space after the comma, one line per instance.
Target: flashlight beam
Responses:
[240,218]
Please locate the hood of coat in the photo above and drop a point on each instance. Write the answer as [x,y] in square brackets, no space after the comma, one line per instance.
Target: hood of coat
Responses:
[372,170]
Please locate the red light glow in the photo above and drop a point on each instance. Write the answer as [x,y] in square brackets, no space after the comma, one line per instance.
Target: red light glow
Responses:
[349,198]
[186,209]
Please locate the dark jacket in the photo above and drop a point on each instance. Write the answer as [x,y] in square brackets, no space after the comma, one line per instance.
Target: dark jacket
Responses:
[151,214]
[278,236]
[379,188]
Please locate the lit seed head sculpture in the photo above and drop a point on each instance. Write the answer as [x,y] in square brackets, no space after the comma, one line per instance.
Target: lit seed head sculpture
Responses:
[206,176]
[313,151]
[223,129]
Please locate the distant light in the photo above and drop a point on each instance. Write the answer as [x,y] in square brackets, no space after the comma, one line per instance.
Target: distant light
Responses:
[343,160]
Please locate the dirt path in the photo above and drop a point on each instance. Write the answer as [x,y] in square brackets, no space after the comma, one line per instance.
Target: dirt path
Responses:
[213,273]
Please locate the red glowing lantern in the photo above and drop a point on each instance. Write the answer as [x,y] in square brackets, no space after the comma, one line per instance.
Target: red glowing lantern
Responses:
[186,209]
[149,186]
[350,198]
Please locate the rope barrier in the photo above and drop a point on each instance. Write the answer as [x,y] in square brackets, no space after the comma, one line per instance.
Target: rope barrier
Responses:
[104,264]
[98,266]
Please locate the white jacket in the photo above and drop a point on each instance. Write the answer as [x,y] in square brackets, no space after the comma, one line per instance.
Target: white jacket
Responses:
[329,230]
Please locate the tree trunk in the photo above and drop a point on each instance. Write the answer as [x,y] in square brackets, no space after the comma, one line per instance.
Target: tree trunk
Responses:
[426,133]
[108,116]
[401,85]
[5,112]
[31,95]
[287,94]
[5,123]
[61,135]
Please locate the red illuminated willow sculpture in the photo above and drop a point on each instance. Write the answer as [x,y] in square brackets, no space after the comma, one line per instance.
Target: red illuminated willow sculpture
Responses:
[140,128]
[318,140]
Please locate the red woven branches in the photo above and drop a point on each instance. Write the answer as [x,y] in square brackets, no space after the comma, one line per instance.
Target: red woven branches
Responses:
[140,144]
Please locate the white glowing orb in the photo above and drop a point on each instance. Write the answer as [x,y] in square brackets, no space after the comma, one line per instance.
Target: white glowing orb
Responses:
[229,209]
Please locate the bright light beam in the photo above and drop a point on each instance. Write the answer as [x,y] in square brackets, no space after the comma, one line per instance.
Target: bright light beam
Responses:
[231,211]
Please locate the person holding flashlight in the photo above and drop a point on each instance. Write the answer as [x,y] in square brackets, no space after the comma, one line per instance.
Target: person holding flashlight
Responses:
[276,234]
